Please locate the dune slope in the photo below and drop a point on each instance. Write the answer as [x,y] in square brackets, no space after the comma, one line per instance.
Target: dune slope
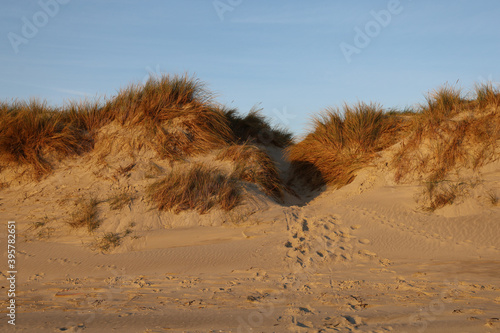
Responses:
[365,249]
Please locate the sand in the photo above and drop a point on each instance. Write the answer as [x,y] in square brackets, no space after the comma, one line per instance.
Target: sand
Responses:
[364,258]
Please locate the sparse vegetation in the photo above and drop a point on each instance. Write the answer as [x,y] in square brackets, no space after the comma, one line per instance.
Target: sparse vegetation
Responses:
[438,194]
[107,242]
[195,188]
[493,198]
[120,200]
[41,229]
[343,142]
[449,131]
[38,224]
[128,231]
[86,215]
[110,240]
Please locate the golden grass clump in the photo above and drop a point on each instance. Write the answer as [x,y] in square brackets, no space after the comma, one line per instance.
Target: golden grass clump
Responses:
[195,188]
[342,143]
[177,112]
[438,193]
[254,165]
[155,100]
[487,95]
[255,127]
[31,133]
[86,115]
[120,200]
[86,215]
[440,140]
[107,242]
[442,103]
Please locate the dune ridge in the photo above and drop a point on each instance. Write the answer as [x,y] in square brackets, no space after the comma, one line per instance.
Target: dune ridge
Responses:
[159,210]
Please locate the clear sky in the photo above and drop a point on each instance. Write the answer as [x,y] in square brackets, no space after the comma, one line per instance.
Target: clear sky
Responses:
[291,58]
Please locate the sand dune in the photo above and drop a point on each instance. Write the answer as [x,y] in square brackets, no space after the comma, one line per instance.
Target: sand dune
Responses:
[368,256]
[343,261]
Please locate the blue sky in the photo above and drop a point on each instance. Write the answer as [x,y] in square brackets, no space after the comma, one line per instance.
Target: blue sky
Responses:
[284,56]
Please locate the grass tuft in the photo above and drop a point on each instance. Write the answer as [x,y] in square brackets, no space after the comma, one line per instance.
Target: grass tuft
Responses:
[441,193]
[30,133]
[443,103]
[493,198]
[487,95]
[176,111]
[108,241]
[154,101]
[88,116]
[342,143]
[195,188]
[86,215]
[439,141]
[120,200]
[41,229]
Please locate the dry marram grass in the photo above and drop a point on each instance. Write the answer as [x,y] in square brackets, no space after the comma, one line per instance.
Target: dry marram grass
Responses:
[31,133]
[175,113]
[86,214]
[342,143]
[120,200]
[195,188]
[107,242]
[449,132]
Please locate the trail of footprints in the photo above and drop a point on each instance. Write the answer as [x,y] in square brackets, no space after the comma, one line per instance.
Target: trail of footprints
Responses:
[316,240]
[316,246]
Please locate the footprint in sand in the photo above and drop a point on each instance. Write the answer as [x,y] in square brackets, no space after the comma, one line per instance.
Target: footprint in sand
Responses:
[314,240]
[37,277]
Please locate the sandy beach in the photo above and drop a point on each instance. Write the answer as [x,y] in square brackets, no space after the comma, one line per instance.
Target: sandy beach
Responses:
[362,258]
[186,222]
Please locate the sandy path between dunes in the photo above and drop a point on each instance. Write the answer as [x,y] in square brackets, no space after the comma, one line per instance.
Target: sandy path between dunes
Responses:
[366,263]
